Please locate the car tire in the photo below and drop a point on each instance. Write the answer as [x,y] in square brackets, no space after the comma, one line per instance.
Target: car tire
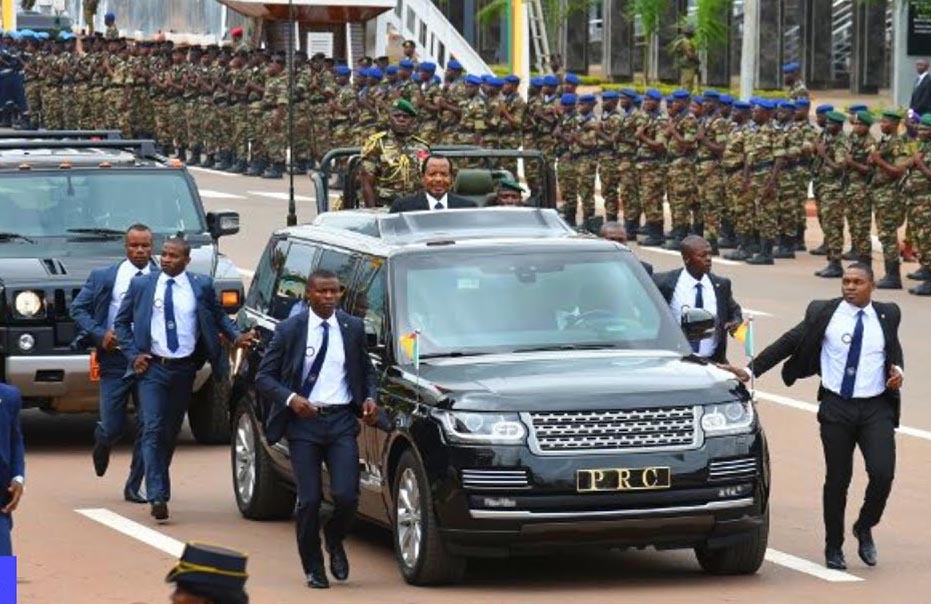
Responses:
[260,494]
[418,545]
[209,414]
[742,558]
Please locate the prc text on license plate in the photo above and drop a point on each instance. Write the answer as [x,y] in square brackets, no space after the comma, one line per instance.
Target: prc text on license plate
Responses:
[623,479]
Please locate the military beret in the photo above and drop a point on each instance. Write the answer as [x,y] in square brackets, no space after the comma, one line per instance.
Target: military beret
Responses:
[510,184]
[754,100]
[568,99]
[572,79]
[536,82]
[865,117]
[236,32]
[680,94]
[925,121]
[436,79]
[726,99]
[512,79]
[787,105]
[741,105]
[409,44]
[391,70]
[363,72]
[473,80]
[406,64]
[790,68]
[669,98]
[712,94]
[427,66]
[42,35]
[766,104]
[629,93]
[857,107]
[610,95]
[343,70]
[405,106]
[837,117]
[376,73]
[653,94]
[698,99]
[550,80]
[109,17]
[824,108]
[588,98]
[486,78]
[892,114]
[495,82]
[454,65]
[803,102]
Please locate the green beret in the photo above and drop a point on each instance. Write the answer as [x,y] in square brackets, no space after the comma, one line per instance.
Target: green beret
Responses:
[512,185]
[405,106]
[836,116]
[865,117]
[892,114]
[925,120]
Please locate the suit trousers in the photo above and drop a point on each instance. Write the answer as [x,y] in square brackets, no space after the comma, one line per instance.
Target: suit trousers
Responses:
[164,396]
[6,538]
[331,439]
[114,396]
[845,424]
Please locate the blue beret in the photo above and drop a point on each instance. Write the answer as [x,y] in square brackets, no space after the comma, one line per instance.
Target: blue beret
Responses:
[64,35]
[109,17]
[802,103]
[670,98]
[343,70]
[766,104]
[496,82]
[391,69]
[857,107]
[363,72]
[610,95]
[473,79]
[787,105]
[550,80]
[375,72]
[568,99]
[712,94]
[680,94]
[436,79]
[42,35]
[455,65]
[572,79]
[653,94]
[27,34]
[512,79]
[824,108]
[427,66]
[486,78]
[406,64]
[638,100]
[741,105]
[629,93]
[588,98]
[536,82]
[790,68]
[754,100]
[698,99]
[726,99]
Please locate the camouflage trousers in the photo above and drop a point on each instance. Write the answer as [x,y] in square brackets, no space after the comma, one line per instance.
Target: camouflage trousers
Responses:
[429,130]
[276,137]
[790,199]
[859,211]
[161,108]
[194,114]
[69,115]
[177,121]
[51,108]
[255,125]
[217,135]
[115,111]
[737,203]
[321,126]
[681,192]
[763,205]
[142,112]
[533,170]
[505,141]
[710,180]
[567,174]
[586,167]
[919,218]
[34,100]
[628,189]
[240,142]
[890,215]
[303,131]
[652,183]
[833,203]
[610,183]
[78,102]
[802,177]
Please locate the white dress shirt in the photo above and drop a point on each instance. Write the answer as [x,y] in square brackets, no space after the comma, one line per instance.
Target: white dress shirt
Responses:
[684,295]
[124,275]
[331,387]
[919,79]
[185,304]
[871,372]
[432,201]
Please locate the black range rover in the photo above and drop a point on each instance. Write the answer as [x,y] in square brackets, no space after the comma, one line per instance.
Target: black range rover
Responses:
[555,404]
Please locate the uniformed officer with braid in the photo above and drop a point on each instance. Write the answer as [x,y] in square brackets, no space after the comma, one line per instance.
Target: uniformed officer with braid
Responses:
[391,159]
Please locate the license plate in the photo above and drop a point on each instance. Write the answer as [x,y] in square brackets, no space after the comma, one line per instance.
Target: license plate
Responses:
[622,479]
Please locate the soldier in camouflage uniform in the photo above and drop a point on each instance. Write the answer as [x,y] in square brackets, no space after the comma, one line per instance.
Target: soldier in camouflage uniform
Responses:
[275,101]
[513,113]
[545,117]
[585,156]
[428,104]
[831,178]
[117,93]
[625,152]
[566,173]
[391,159]
[612,119]
[732,165]
[680,138]
[342,110]
[651,169]
[406,87]
[52,90]
[795,87]
[238,94]
[764,157]
[193,83]
[453,90]
[858,197]
[473,114]
[919,209]
[712,136]
[494,104]
[176,123]
[889,158]
[790,197]
[255,133]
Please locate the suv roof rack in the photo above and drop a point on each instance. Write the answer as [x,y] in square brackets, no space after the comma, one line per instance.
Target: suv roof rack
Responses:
[141,148]
[473,223]
[110,135]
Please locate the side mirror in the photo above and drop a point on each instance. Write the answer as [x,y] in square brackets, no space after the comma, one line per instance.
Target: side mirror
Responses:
[697,324]
[222,223]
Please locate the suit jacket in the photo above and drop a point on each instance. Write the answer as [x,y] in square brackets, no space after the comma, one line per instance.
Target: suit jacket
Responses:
[281,372]
[212,321]
[921,96]
[417,202]
[801,345]
[12,452]
[728,309]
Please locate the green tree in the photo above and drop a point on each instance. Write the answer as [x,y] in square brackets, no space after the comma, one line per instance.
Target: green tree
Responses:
[711,23]
[650,13]
[554,13]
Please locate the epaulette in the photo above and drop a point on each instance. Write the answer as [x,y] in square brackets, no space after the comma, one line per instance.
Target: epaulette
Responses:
[420,140]
[373,141]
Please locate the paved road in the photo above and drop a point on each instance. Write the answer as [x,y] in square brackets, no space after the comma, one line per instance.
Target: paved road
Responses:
[109,552]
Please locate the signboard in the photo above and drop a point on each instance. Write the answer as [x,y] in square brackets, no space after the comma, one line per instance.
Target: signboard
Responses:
[919,29]
[320,42]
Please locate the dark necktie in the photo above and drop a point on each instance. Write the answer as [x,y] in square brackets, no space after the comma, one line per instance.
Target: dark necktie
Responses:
[438,206]
[699,303]
[853,359]
[138,273]
[315,367]
[171,328]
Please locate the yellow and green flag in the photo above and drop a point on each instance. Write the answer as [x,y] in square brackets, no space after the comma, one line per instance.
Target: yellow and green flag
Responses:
[410,347]
[744,335]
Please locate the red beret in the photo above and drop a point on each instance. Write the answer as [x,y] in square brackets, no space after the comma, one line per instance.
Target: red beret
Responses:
[236,32]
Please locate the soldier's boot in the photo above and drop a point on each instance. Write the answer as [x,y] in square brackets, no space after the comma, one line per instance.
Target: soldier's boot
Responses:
[611,218]
[832,271]
[715,248]
[569,214]
[256,168]
[631,227]
[300,166]
[865,259]
[182,154]
[765,255]
[195,162]
[742,252]
[922,289]
[674,242]
[698,229]
[821,250]
[893,278]
[167,149]
[727,240]
[274,170]
[786,249]
[210,161]
[223,161]
[800,239]
[850,254]
[922,274]
[237,166]
[654,235]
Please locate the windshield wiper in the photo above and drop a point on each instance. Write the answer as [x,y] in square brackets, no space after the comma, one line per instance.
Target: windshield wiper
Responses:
[97,231]
[447,355]
[17,236]
[558,347]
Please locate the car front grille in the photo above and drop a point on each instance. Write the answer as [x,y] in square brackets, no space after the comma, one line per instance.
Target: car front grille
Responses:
[742,468]
[482,480]
[661,429]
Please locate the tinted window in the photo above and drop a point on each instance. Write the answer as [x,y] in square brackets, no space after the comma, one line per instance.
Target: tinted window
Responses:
[293,279]
[266,273]
[341,263]
[369,300]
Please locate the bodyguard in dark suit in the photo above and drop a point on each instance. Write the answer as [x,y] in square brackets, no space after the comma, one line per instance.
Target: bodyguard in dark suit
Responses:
[94,310]
[168,325]
[852,342]
[437,180]
[12,463]
[920,102]
[696,286]
[315,380]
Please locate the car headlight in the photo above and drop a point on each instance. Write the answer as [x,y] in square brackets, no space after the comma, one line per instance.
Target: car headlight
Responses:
[472,427]
[27,304]
[727,418]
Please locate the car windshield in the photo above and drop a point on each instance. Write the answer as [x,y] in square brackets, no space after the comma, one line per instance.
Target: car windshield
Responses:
[76,204]
[466,303]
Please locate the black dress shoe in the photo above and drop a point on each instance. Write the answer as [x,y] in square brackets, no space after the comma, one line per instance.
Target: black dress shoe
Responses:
[834,558]
[317,579]
[867,549]
[101,459]
[133,496]
[339,563]
[160,510]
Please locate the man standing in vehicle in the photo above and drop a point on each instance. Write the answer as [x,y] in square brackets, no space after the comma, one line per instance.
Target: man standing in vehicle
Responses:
[316,378]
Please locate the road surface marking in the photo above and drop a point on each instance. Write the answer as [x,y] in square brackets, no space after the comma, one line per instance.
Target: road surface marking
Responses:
[135,530]
[211,194]
[812,408]
[660,250]
[246,272]
[809,568]
[756,313]
[280,196]
[209,171]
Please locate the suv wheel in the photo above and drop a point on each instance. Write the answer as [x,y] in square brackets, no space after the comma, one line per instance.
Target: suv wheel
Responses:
[259,493]
[742,558]
[418,545]
[209,413]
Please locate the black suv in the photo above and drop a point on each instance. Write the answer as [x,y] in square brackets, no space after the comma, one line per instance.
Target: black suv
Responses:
[66,204]
[556,403]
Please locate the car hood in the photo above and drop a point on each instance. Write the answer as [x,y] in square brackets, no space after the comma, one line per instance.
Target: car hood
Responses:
[575,380]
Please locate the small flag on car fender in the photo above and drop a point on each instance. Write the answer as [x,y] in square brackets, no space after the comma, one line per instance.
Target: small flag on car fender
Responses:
[744,335]
[410,346]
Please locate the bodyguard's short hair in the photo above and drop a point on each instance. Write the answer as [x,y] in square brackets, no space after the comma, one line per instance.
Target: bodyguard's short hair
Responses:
[321,273]
[139,228]
[863,266]
[182,243]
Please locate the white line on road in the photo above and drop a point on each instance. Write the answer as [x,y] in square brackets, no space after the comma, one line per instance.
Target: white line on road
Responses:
[211,194]
[135,530]
[757,313]
[808,567]
[660,250]
[280,196]
[209,171]
[812,408]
